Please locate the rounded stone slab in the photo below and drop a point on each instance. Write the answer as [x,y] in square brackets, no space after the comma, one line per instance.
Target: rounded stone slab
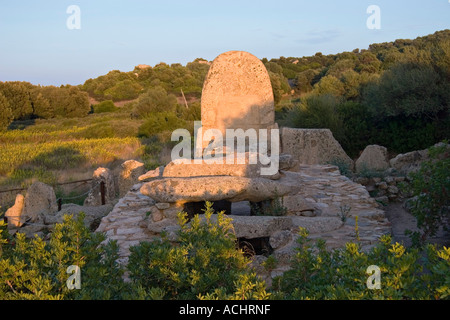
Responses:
[240,165]
[237,93]
[213,189]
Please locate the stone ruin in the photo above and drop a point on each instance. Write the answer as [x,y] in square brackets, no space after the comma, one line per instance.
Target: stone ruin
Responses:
[237,94]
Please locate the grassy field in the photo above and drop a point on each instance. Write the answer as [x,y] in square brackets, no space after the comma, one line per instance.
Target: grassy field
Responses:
[61,150]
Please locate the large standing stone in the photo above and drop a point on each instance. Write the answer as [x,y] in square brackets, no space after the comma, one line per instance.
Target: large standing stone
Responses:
[129,175]
[14,213]
[313,146]
[39,201]
[237,93]
[94,197]
[373,157]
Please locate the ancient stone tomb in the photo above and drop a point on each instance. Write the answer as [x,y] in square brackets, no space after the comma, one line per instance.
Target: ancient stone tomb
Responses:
[267,210]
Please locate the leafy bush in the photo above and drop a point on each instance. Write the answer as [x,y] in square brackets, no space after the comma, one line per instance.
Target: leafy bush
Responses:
[105,106]
[37,269]
[17,95]
[409,89]
[155,100]
[6,115]
[318,273]
[430,188]
[204,264]
[160,122]
[273,207]
[123,90]
[317,111]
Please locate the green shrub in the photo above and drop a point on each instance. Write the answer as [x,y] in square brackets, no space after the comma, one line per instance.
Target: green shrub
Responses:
[273,207]
[204,264]
[409,89]
[343,166]
[123,90]
[356,127]
[105,106]
[155,100]
[317,111]
[6,114]
[318,273]
[37,269]
[160,122]
[430,187]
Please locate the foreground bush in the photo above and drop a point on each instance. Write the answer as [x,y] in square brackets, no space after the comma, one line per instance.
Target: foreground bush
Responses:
[36,269]
[205,264]
[342,273]
[430,188]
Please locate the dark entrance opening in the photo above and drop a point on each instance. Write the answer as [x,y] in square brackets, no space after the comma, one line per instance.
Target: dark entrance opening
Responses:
[260,208]
[193,208]
[255,246]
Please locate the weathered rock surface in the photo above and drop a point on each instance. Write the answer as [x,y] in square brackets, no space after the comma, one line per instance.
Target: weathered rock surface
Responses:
[92,214]
[250,227]
[14,213]
[94,197]
[137,217]
[317,224]
[405,163]
[214,188]
[152,174]
[129,175]
[40,200]
[373,157]
[409,162]
[296,204]
[240,165]
[313,146]
[237,93]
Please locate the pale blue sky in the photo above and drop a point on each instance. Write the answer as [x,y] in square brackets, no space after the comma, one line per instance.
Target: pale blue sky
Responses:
[37,46]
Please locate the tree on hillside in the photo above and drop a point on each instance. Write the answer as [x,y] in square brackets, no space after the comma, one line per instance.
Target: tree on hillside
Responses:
[408,89]
[77,103]
[155,100]
[66,102]
[329,85]
[123,90]
[303,81]
[6,115]
[341,67]
[18,96]
[41,105]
